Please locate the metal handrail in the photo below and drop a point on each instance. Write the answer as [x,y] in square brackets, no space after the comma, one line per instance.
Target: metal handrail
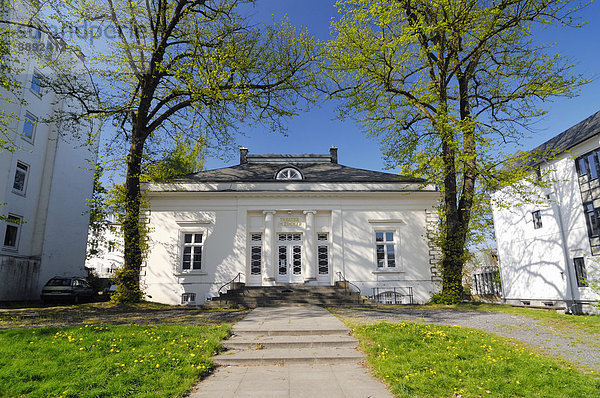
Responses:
[346,283]
[238,276]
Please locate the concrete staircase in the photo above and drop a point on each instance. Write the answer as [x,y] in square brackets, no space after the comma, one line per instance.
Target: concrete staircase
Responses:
[269,296]
[280,341]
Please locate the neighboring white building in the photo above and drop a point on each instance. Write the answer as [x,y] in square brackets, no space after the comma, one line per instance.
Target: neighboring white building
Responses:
[44,185]
[482,276]
[546,250]
[289,219]
[105,252]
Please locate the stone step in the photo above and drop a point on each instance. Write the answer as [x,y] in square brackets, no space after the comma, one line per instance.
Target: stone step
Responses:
[283,301]
[277,356]
[257,293]
[289,341]
[251,332]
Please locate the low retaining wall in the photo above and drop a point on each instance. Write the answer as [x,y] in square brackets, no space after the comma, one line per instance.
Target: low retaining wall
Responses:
[19,276]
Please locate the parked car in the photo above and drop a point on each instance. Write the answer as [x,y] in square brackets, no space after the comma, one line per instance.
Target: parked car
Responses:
[109,291]
[74,289]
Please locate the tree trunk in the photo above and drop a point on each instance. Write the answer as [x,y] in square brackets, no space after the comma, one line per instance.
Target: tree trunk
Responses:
[129,277]
[453,248]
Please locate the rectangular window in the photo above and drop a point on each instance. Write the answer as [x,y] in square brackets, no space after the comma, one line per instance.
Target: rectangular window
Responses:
[323,253]
[36,83]
[592,166]
[20,181]
[11,233]
[29,124]
[581,166]
[589,165]
[192,251]
[580,273]
[537,219]
[255,254]
[188,298]
[385,249]
[323,256]
[591,217]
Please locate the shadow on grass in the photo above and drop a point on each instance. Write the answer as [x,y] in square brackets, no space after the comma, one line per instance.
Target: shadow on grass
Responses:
[34,314]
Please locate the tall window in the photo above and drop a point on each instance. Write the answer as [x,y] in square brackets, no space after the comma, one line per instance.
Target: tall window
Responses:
[11,233]
[29,124]
[20,181]
[580,273]
[36,83]
[192,251]
[591,217]
[255,254]
[537,219]
[385,249]
[323,253]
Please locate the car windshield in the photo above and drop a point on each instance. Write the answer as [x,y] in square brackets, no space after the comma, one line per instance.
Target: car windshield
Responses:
[59,282]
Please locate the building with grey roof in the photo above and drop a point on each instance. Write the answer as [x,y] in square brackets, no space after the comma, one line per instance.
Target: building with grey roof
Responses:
[549,247]
[290,220]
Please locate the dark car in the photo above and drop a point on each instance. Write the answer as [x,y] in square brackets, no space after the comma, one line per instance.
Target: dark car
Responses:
[109,291]
[67,289]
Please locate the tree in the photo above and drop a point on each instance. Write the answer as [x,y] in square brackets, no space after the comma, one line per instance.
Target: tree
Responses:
[446,84]
[184,67]
[186,157]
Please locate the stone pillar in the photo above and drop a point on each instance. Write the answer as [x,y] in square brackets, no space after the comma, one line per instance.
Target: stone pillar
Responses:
[310,273]
[268,272]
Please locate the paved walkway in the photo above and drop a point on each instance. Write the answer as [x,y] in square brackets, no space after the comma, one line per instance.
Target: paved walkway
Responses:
[291,352]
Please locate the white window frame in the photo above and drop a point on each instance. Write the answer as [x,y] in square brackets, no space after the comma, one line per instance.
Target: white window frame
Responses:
[26,169]
[395,242]
[256,243]
[31,118]
[32,87]
[537,219]
[327,244]
[16,224]
[289,174]
[182,246]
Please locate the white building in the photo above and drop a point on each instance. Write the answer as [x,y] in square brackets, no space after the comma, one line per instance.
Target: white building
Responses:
[105,251]
[547,250]
[44,185]
[289,219]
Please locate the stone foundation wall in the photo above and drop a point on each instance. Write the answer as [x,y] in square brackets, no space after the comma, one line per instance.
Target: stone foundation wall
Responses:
[435,253]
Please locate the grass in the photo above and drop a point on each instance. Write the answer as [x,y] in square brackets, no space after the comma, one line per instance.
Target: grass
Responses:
[36,314]
[441,361]
[106,360]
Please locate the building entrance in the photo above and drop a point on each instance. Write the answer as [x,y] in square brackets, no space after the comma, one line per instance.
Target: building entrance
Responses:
[289,258]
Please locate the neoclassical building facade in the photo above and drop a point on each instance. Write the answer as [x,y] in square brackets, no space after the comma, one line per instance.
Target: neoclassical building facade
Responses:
[289,219]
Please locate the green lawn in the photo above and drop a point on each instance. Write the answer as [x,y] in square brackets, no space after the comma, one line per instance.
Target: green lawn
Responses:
[106,360]
[441,361]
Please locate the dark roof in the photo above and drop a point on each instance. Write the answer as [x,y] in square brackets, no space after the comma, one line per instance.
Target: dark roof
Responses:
[572,136]
[314,168]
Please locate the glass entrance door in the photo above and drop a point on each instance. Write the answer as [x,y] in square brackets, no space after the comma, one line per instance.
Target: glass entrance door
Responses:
[289,258]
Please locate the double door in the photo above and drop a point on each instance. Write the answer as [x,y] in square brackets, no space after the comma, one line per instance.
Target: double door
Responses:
[289,258]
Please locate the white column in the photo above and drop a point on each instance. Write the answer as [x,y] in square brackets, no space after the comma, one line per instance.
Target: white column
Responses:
[310,273]
[268,272]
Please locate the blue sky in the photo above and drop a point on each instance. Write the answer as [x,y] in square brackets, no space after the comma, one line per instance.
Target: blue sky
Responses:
[317,130]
